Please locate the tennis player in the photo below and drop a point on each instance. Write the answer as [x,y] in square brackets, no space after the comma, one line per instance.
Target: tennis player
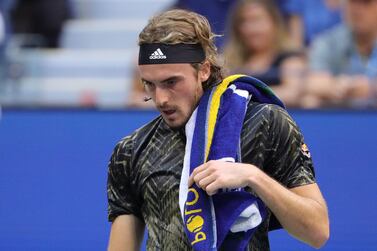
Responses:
[177,63]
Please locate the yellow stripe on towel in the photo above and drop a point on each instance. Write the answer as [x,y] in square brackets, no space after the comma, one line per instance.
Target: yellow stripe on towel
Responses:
[214,109]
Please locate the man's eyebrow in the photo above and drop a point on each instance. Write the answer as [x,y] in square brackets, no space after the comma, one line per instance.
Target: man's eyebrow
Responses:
[177,77]
[171,78]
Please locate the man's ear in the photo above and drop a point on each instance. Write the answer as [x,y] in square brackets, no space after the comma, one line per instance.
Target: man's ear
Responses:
[205,71]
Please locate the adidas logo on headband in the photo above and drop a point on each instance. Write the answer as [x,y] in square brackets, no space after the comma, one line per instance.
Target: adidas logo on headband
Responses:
[157,54]
[170,53]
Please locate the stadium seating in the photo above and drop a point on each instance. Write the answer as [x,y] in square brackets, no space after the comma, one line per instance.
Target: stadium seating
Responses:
[97,55]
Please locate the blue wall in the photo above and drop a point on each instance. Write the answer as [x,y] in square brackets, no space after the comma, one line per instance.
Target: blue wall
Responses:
[53,169]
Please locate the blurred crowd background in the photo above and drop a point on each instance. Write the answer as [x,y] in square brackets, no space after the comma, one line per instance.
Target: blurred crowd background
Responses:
[315,54]
[82,53]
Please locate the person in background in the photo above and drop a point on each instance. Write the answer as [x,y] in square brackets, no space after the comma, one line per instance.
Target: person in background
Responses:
[2,29]
[5,7]
[41,17]
[259,46]
[309,18]
[2,34]
[343,61]
[216,11]
[2,47]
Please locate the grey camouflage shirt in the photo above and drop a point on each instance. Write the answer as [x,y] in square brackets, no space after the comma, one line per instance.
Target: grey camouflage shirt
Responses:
[145,170]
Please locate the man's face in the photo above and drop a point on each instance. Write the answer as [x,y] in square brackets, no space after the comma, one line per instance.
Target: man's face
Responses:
[175,89]
[361,16]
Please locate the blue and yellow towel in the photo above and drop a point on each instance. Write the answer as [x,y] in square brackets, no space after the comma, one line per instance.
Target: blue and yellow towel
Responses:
[229,218]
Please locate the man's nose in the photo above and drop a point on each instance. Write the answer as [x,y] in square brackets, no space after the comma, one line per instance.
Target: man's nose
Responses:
[162,96]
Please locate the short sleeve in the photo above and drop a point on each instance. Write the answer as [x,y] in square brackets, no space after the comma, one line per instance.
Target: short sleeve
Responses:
[122,198]
[290,162]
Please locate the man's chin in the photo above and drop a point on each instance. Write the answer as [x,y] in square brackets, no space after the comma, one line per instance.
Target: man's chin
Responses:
[175,124]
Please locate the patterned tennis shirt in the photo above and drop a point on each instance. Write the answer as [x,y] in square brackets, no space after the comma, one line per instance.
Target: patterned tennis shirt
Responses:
[145,170]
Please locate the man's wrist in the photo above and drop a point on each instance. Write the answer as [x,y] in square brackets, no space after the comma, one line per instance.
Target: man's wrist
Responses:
[253,176]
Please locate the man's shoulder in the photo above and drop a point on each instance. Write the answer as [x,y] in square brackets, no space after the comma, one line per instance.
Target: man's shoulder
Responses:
[264,111]
[265,117]
[138,136]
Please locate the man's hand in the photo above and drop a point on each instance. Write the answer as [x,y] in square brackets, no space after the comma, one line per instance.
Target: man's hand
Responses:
[217,174]
[302,211]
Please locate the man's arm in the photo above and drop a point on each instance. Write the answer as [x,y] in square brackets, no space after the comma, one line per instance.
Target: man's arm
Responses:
[286,183]
[124,210]
[126,234]
[302,210]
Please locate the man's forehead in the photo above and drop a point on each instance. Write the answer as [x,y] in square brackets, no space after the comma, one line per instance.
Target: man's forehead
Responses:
[161,72]
[165,68]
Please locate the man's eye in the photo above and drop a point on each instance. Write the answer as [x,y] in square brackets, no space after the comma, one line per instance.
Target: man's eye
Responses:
[171,82]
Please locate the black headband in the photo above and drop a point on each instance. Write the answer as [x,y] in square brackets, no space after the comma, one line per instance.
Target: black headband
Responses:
[158,53]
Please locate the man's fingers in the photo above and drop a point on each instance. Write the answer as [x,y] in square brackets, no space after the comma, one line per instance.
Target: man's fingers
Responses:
[203,183]
[200,168]
[197,174]
[212,188]
[201,175]
[196,178]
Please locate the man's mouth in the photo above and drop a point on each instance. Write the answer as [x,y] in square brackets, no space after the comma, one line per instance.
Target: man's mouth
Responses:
[168,112]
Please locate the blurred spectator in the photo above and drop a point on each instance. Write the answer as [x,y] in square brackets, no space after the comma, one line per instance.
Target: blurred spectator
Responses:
[258,46]
[2,48]
[216,11]
[308,18]
[2,29]
[5,6]
[344,60]
[42,17]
